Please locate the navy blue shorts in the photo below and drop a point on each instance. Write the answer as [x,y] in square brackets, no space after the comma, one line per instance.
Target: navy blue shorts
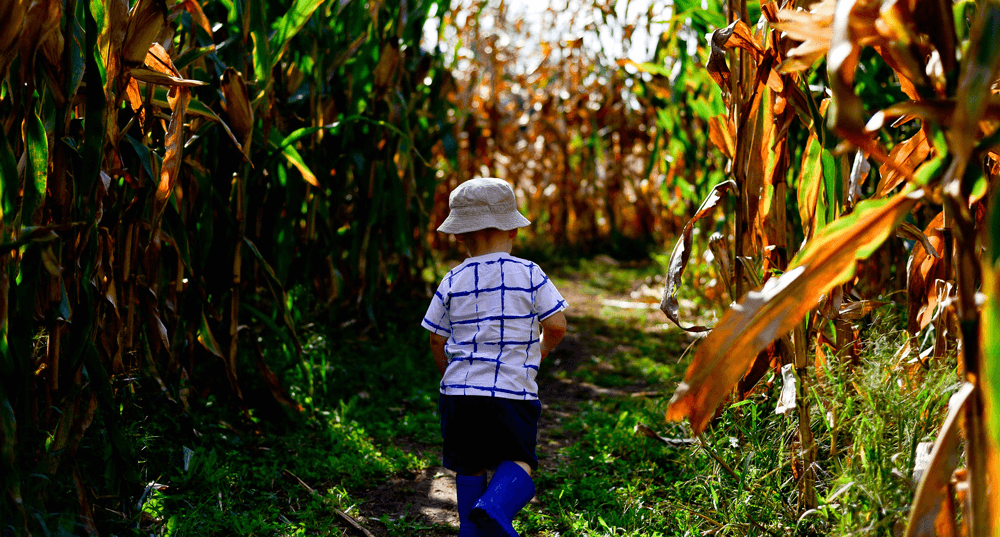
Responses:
[481,432]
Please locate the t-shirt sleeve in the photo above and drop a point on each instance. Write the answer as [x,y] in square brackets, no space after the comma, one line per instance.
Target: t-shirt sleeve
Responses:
[547,298]
[436,319]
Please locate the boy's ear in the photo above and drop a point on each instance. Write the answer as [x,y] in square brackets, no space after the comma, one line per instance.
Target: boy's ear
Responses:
[512,233]
[460,237]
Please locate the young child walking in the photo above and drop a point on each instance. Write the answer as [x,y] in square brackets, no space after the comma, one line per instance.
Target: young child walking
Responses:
[492,321]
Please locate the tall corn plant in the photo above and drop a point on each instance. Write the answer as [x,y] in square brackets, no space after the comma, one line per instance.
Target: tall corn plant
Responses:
[946,67]
[167,170]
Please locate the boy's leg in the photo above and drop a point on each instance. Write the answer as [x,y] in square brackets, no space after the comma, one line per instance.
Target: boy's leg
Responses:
[468,489]
[507,493]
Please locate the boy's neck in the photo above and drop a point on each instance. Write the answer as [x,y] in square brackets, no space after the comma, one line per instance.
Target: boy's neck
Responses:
[479,244]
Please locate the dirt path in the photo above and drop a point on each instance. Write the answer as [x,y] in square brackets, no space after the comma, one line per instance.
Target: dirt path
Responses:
[425,503]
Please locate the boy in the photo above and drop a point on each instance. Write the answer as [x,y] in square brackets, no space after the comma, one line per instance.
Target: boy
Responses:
[492,321]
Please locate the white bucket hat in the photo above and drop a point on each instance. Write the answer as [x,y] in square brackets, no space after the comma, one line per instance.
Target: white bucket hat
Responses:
[481,203]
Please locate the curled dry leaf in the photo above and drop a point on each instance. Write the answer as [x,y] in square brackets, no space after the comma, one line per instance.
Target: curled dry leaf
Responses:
[911,232]
[717,67]
[762,316]
[682,253]
[923,269]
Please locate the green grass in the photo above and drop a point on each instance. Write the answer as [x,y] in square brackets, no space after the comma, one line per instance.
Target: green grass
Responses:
[367,393]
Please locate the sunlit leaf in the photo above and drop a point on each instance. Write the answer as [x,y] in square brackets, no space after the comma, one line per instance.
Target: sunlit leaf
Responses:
[908,154]
[289,25]
[174,154]
[293,157]
[762,316]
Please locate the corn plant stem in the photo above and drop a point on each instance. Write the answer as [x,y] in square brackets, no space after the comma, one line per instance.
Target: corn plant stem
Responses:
[966,269]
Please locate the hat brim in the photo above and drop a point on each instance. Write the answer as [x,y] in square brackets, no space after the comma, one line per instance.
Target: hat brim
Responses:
[455,224]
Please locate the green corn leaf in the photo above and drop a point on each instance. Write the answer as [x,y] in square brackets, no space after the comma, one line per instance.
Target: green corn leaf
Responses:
[990,348]
[809,183]
[826,209]
[290,24]
[276,143]
[77,58]
[145,156]
[9,184]
[261,46]
[36,176]
[95,122]
[192,55]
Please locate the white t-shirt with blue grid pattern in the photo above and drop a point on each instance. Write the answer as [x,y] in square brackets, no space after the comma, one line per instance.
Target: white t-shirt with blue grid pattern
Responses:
[489,308]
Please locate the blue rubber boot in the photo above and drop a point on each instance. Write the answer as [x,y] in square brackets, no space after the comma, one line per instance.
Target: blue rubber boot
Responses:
[468,488]
[509,491]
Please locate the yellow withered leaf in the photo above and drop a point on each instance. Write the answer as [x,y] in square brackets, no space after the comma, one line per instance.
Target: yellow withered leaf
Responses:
[144,24]
[237,106]
[12,15]
[762,316]
[908,154]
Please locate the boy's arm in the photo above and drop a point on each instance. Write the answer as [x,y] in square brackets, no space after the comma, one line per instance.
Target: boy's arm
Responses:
[553,330]
[437,350]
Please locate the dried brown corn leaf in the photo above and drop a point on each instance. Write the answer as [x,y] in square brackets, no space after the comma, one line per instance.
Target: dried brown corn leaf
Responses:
[144,24]
[237,106]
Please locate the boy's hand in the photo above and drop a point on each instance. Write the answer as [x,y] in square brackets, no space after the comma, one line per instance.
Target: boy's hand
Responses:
[437,350]
[553,330]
